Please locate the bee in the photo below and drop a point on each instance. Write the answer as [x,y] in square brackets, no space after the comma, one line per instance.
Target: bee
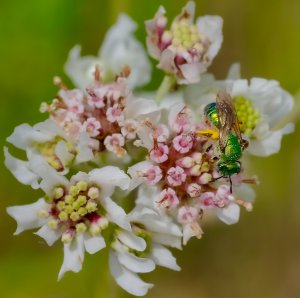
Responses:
[222,115]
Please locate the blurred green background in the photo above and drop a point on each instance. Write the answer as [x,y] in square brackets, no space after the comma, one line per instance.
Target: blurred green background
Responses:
[260,256]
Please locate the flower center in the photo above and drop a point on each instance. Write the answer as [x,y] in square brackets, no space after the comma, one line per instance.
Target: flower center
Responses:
[76,210]
[47,149]
[186,35]
[247,115]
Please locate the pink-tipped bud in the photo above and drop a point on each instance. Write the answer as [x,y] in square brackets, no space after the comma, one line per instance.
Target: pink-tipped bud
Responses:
[195,170]
[205,178]
[197,157]
[185,162]
[194,190]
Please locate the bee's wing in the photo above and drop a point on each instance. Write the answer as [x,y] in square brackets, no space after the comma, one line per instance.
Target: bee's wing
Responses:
[227,118]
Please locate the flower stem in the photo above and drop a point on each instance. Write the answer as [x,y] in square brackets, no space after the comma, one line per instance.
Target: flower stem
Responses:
[166,85]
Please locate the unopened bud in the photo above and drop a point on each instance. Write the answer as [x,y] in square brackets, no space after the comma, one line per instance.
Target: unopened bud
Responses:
[67,237]
[95,229]
[43,213]
[74,190]
[194,190]
[205,178]
[52,224]
[81,227]
[74,216]
[91,206]
[103,223]
[186,162]
[195,170]
[63,215]
[82,185]
[93,193]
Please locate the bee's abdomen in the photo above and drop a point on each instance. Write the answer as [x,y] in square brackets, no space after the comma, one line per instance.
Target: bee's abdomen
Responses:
[233,150]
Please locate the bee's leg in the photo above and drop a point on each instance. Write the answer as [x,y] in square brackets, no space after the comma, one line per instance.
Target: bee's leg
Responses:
[230,184]
[215,179]
[208,148]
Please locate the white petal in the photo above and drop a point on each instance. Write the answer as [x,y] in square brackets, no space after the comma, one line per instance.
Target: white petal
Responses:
[147,195]
[84,152]
[168,240]
[93,244]
[160,225]
[135,170]
[139,107]
[81,69]
[108,178]
[191,73]
[115,213]
[21,170]
[245,192]
[134,263]
[120,47]
[132,241]
[191,230]
[152,36]
[50,177]
[230,214]
[239,87]
[174,111]
[126,279]
[27,217]
[24,135]
[139,212]
[271,143]
[80,176]
[211,27]
[234,72]
[73,256]
[163,257]
[63,153]
[187,13]
[48,234]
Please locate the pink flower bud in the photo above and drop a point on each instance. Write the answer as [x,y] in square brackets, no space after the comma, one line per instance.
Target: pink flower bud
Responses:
[194,190]
[153,175]
[182,143]
[187,214]
[168,198]
[159,153]
[176,176]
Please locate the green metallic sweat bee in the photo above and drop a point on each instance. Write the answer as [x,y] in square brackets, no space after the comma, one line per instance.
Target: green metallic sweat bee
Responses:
[222,115]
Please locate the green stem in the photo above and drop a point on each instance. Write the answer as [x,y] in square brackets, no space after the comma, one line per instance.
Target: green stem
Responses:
[166,85]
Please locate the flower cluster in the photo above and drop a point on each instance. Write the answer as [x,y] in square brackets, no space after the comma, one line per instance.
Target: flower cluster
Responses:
[178,155]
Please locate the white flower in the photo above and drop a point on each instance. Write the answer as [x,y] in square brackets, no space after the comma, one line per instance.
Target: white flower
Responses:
[185,50]
[48,140]
[162,228]
[261,106]
[271,104]
[75,211]
[119,48]
[124,265]
[144,248]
